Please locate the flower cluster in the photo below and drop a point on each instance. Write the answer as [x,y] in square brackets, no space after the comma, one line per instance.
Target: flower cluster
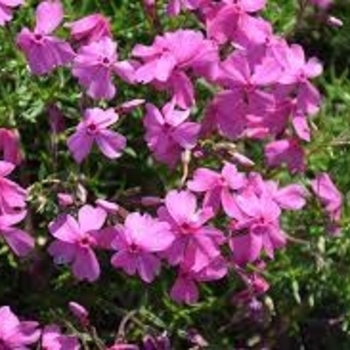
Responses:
[225,216]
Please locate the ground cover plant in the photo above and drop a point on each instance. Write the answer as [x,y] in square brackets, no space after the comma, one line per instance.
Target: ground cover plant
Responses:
[174,174]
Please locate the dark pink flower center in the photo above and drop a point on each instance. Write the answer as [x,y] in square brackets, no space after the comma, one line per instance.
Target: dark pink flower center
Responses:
[302,76]
[133,248]
[38,38]
[187,229]
[86,241]
[92,129]
[105,61]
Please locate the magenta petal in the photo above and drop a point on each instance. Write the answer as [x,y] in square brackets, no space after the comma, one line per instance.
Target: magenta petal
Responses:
[182,89]
[49,15]
[184,290]
[203,180]
[91,218]
[186,135]
[66,229]
[126,261]
[19,241]
[181,205]
[6,168]
[63,253]
[27,332]
[148,267]
[80,145]
[291,197]
[111,143]
[85,265]
[247,248]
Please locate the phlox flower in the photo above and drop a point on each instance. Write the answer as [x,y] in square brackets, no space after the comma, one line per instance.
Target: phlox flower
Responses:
[328,194]
[6,8]
[53,339]
[94,128]
[287,151]
[246,106]
[185,288]
[195,244]
[12,196]
[244,80]
[217,186]
[167,62]
[255,227]
[20,241]
[90,28]
[76,240]
[95,65]
[16,334]
[229,20]
[290,197]
[136,242]
[43,51]
[298,71]
[168,132]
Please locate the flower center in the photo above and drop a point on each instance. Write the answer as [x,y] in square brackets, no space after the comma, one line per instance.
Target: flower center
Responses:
[86,241]
[133,248]
[105,61]
[38,38]
[92,129]
[187,229]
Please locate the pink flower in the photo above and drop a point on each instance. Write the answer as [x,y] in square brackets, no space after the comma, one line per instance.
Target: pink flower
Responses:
[43,51]
[185,289]
[230,20]
[217,186]
[75,241]
[9,145]
[286,151]
[168,133]
[290,197]
[53,339]
[195,245]
[15,334]
[12,196]
[246,104]
[136,242]
[6,8]
[20,241]
[328,194]
[167,62]
[298,70]
[94,128]
[90,28]
[94,66]
[255,227]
